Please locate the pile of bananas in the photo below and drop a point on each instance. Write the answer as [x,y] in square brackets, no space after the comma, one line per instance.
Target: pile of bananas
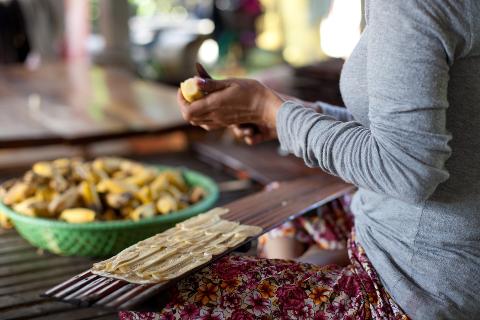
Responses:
[104,189]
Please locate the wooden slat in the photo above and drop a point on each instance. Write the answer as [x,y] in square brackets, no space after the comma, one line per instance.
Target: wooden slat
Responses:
[81,314]
[41,308]
[78,284]
[16,248]
[7,233]
[103,292]
[68,282]
[42,284]
[16,258]
[31,277]
[11,240]
[123,288]
[14,300]
[37,265]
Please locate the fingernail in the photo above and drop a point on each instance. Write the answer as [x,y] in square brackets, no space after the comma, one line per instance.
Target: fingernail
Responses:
[247,132]
[201,82]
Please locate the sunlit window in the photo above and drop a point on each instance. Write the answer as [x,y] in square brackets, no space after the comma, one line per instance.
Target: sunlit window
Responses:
[340,31]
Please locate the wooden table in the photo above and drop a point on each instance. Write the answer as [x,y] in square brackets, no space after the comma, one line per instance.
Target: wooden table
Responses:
[78,103]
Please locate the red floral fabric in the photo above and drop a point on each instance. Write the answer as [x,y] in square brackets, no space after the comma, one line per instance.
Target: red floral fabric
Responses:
[327,227]
[247,287]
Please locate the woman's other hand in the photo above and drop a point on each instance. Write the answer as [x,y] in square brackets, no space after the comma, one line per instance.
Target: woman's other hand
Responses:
[254,135]
[233,102]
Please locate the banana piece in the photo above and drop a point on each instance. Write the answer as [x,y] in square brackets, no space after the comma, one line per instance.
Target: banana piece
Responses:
[118,200]
[175,193]
[132,167]
[175,178]
[43,168]
[144,194]
[90,197]
[44,193]
[63,201]
[78,215]
[116,186]
[58,182]
[18,192]
[32,207]
[140,179]
[62,165]
[4,187]
[34,179]
[107,164]
[196,194]
[190,89]
[84,172]
[159,186]
[143,211]
[167,204]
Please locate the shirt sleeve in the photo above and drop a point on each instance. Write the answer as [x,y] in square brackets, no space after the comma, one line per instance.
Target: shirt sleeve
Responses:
[403,153]
[339,113]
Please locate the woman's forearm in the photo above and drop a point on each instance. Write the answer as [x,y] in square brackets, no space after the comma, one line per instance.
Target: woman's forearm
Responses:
[384,160]
[339,113]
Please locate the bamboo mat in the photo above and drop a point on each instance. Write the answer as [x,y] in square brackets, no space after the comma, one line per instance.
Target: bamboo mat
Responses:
[267,209]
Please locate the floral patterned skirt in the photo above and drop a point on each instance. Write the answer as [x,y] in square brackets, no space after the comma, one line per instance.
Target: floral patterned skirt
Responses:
[248,287]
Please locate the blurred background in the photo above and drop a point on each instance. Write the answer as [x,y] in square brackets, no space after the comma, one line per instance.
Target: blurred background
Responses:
[97,77]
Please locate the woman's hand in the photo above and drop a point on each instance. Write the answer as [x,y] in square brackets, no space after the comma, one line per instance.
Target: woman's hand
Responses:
[232,102]
[254,135]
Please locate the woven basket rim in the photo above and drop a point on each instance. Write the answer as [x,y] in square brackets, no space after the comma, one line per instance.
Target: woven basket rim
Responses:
[203,205]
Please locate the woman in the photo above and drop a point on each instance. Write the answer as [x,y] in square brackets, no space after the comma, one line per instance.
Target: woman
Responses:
[413,87]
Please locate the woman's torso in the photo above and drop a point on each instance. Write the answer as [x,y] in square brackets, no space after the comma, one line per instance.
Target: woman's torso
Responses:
[428,254]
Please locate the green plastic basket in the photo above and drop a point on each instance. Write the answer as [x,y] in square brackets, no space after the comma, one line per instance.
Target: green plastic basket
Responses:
[106,238]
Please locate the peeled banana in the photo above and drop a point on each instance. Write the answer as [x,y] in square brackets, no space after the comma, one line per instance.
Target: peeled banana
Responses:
[78,215]
[190,90]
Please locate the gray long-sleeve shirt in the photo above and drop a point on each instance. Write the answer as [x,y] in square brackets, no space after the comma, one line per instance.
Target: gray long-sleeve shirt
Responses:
[413,87]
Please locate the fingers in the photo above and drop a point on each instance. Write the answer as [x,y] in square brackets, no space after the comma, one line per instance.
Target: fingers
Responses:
[210,127]
[237,132]
[191,111]
[247,135]
[254,139]
[181,100]
[241,132]
[210,85]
